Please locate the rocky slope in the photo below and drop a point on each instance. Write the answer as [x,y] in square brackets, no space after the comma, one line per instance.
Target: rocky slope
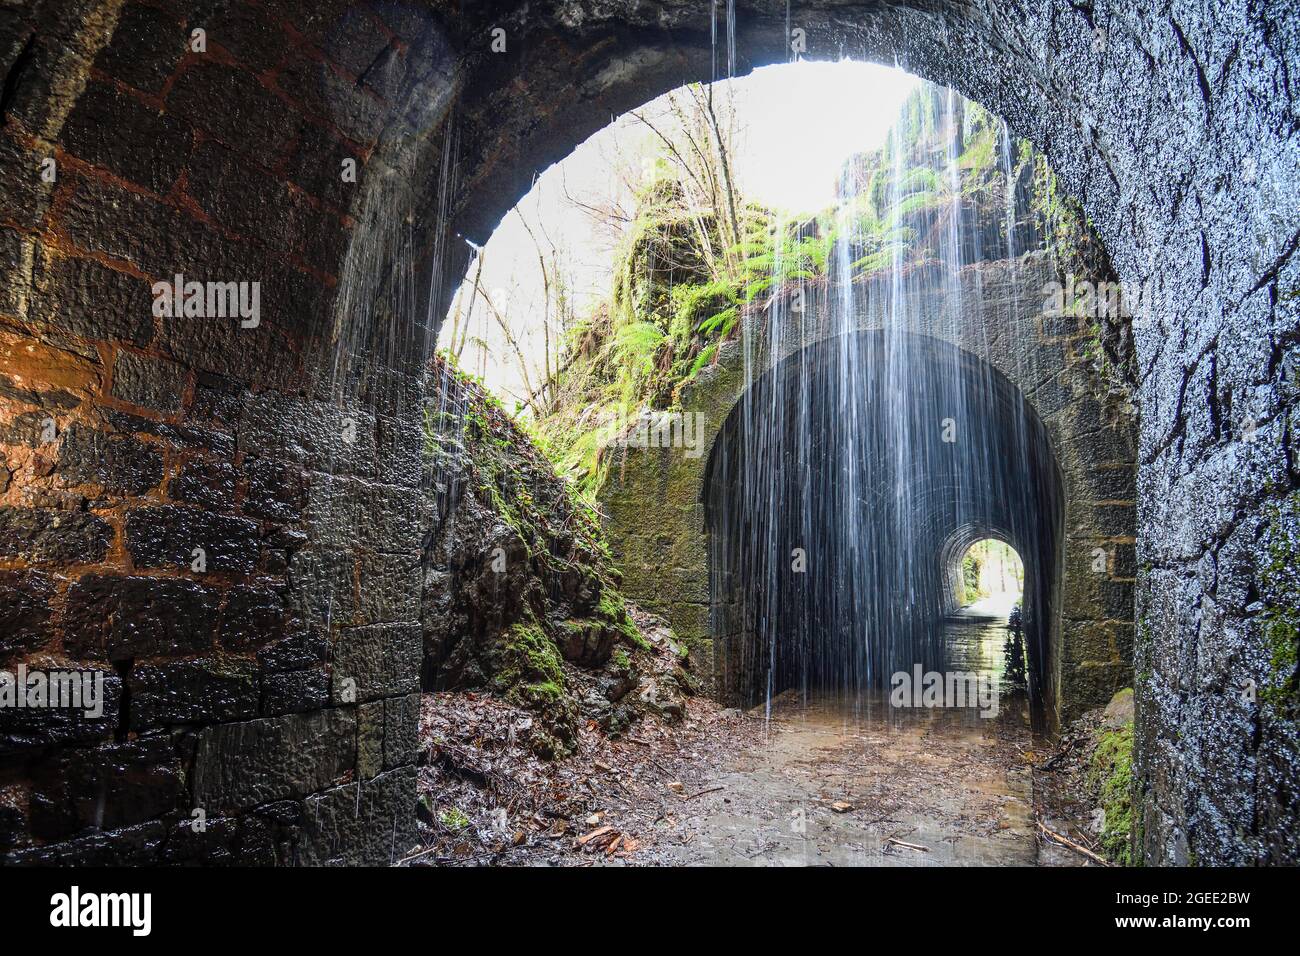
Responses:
[1084,790]
[520,597]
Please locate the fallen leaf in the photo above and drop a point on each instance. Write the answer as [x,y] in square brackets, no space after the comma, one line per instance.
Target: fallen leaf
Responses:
[841,806]
[587,838]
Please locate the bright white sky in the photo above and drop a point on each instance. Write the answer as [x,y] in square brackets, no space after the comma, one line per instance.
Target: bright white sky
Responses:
[796,125]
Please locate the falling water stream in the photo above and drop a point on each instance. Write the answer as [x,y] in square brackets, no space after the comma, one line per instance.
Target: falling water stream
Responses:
[866,443]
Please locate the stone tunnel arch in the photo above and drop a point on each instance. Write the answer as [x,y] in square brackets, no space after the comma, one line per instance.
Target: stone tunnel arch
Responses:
[954,550]
[774,627]
[993,321]
[171,432]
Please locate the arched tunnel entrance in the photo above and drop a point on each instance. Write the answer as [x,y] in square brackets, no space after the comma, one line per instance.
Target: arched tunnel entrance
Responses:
[845,487]
[981,566]
[171,433]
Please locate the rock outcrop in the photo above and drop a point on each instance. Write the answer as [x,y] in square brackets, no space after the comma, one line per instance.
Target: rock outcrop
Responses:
[520,596]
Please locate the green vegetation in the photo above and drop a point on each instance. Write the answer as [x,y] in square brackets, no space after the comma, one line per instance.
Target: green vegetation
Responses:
[990,567]
[613,610]
[1280,620]
[1069,236]
[453,819]
[970,578]
[1111,772]
[532,672]
[682,287]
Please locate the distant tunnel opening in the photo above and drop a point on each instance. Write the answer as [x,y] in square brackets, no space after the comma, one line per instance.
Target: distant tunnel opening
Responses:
[988,575]
[843,493]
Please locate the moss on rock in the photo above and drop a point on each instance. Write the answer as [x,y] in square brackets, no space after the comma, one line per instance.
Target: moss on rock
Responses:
[1110,773]
[1280,619]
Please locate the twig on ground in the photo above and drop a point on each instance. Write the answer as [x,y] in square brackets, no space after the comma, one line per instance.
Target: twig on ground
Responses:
[903,843]
[1067,842]
[700,793]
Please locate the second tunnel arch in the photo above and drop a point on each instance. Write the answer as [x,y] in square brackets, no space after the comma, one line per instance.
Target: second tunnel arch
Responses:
[865,486]
[955,549]
[996,322]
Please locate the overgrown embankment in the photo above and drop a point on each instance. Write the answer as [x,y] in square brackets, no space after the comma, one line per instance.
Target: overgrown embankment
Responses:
[1085,789]
[949,183]
[520,598]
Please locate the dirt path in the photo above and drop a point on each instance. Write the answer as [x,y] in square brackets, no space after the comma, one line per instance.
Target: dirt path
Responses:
[828,787]
[811,783]
[831,784]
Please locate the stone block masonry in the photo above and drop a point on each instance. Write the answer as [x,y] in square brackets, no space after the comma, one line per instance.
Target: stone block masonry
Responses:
[1173,125]
[185,503]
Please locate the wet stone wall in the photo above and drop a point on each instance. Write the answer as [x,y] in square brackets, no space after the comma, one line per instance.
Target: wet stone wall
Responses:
[190,508]
[1173,124]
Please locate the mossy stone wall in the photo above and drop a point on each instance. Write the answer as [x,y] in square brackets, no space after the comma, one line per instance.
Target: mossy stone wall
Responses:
[652,499]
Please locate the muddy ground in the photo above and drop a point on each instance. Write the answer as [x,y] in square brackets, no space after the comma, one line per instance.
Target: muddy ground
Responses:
[810,782]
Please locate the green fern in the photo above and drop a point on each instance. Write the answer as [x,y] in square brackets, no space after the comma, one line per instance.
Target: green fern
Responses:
[722,323]
[703,359]
[635,344]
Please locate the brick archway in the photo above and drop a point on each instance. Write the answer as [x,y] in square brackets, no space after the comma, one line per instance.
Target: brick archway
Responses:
[1175,131]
